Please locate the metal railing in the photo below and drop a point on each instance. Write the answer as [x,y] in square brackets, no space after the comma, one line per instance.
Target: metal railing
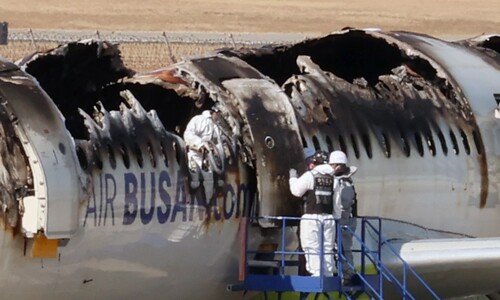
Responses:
[375,257]
[278,278]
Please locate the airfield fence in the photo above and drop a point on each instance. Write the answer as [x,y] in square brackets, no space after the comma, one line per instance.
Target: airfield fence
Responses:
[140,51]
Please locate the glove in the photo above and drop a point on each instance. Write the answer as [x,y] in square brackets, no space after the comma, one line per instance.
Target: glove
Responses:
[194,147]
[293,173]
[205,146]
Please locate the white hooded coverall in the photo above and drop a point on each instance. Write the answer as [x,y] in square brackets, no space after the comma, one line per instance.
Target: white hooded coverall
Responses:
[310,226]
[200,130]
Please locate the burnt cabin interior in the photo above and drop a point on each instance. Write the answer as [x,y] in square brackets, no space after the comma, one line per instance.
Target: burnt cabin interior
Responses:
[353,55]
[349,56]
[490,46]
[493,43]
[89,73]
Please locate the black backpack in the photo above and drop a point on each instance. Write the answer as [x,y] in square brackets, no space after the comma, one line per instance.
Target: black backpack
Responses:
[348,198]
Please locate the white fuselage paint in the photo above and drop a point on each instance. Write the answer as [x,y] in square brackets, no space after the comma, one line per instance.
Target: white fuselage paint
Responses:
[443,191]
[171,252]
[168,250]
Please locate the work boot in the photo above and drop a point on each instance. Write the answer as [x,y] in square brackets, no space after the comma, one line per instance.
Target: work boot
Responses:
[347,279]
[350,279]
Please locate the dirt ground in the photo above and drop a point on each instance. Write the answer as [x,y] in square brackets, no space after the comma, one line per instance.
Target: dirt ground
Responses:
[444,18]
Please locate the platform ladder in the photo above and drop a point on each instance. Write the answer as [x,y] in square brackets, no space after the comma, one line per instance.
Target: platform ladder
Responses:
[278,272]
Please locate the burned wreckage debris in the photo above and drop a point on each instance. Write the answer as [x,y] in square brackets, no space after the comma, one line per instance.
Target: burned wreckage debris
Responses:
[358,91]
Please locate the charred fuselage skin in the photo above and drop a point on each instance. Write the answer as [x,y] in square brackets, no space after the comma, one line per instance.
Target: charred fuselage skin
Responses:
[16,178]
[423,135]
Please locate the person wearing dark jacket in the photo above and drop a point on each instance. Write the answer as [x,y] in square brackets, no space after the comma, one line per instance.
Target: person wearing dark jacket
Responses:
[345,201]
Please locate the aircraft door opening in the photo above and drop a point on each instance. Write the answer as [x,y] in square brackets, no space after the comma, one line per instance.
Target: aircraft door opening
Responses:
[50,192]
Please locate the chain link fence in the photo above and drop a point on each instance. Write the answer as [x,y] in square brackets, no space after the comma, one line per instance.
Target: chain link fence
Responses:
[141,51]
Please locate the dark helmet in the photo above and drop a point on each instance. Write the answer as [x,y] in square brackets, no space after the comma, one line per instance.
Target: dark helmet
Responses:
[320,157]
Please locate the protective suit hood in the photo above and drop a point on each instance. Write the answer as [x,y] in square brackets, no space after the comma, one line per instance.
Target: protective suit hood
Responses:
[351,170]
[324,169]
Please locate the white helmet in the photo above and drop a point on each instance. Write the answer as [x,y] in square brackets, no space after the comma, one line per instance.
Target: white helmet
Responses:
[337,157]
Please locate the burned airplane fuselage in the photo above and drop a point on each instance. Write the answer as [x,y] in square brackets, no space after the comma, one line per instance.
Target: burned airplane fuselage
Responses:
[367,93]
[414,113]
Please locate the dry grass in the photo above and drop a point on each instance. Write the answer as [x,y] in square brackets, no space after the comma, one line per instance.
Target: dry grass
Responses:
[144,57]
[435,17]
[137,56]
[444,18]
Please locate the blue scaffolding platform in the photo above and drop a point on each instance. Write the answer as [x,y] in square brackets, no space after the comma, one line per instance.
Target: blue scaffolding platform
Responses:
[278,272]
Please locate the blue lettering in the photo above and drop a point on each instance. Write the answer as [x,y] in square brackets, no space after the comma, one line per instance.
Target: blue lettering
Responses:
[109,200]
[101,191]
[91,210]
[230,192]
[235,199]
[130,199]
[164,197]
[180,199]
[147,217]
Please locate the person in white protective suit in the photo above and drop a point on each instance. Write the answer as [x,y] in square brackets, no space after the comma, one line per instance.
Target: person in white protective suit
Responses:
[316,186]
[200,131]
[345,198]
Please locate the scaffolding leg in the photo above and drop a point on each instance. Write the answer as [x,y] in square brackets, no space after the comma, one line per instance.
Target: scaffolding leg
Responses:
[303,296]
[324,294]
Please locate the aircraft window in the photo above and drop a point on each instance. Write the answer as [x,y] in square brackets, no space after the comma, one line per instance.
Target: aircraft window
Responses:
[497,110]
[329,144]
[111,155]
[342,144]
[62,148]
[326,110]
[151,155]
[98,160]
[366,143]
[82,158]
[477,142]
[124,153]
[304,142]
[386,144]
[316,143]
[430,143]
[465,141]
[455,143]
[418,141]
[355,146]
[404,144]
[164,154]
[138,155]
[443,142]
